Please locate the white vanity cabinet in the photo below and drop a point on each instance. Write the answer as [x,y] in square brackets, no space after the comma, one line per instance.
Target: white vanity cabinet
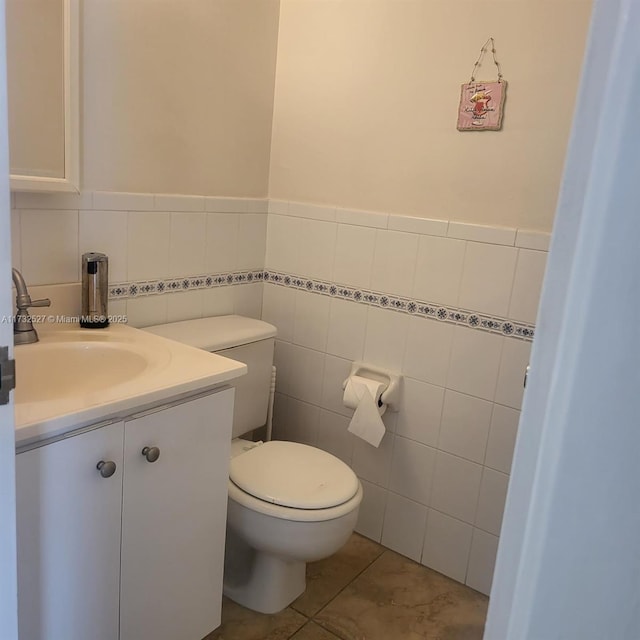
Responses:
[68,522]
[174,520]
[135,555]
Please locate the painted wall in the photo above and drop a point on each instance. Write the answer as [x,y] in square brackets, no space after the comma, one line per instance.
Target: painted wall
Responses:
[178,96]
[366,101]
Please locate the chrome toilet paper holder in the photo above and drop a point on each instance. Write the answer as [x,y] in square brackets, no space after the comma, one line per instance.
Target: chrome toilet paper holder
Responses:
[391,395]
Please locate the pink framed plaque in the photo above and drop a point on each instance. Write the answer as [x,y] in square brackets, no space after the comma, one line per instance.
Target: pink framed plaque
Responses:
[481,106]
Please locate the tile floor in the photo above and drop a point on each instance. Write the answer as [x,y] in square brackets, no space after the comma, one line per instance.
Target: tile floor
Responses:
[366,592]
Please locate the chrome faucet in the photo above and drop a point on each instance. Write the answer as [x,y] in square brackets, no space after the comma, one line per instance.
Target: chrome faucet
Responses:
[23,331]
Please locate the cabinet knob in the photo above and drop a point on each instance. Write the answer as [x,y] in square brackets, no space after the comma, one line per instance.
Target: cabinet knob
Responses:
[106,469]
[151,453]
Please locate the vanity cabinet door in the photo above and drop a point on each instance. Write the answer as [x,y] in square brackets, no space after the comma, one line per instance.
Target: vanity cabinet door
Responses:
[173,519]
[68,525]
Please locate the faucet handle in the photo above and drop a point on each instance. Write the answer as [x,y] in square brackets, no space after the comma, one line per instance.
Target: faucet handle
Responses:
[45,302]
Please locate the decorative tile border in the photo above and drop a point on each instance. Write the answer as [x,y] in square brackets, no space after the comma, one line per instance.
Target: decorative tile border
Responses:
[483,322]
[452,315]
[124,290]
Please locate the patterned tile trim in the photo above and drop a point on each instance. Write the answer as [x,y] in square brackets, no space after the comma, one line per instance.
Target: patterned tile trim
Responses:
[125,290]
[453,315]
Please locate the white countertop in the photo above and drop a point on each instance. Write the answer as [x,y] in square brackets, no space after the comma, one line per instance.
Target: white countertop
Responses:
[158,370]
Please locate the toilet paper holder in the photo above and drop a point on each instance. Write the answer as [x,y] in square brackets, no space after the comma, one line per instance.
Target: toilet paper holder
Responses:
[391,395]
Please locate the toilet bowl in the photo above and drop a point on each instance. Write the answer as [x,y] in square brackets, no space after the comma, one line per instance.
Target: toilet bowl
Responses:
[289,503]
[269,541]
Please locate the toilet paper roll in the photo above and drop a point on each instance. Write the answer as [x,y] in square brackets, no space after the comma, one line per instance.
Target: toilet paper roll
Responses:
[363,395]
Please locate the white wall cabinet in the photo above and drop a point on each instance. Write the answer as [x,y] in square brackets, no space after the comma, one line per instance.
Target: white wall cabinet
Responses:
[135,555]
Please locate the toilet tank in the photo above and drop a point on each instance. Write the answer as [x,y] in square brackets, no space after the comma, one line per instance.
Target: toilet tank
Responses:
[244,339]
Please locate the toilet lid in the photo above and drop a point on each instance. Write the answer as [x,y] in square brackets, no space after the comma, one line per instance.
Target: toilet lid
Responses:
[294,475]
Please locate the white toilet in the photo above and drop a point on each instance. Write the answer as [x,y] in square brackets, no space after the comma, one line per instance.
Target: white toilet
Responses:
[289,503]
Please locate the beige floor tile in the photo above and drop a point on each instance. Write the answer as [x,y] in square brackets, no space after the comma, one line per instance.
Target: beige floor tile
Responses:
[239,623]
[311,631]
[327,578]
[398,599]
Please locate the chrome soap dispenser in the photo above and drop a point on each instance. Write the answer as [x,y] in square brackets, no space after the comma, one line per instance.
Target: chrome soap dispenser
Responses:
[95,285]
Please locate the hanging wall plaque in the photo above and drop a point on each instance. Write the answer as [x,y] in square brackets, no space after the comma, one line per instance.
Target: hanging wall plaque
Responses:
[482,103]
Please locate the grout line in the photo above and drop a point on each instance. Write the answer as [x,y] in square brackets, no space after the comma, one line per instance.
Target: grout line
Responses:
[384,549]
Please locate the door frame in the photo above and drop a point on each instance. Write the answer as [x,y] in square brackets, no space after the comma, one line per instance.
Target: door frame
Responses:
[8,580]
[569,556]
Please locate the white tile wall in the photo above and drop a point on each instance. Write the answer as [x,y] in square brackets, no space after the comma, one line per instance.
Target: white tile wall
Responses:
[218,302]
[311,320]
[187,244]
[347,329]
[502,438]
[475,362]
[374,464]
[247,300]
[439,269]
[278,308]
[513,363]
[385,338]
[428,350]
[394,261]
[355,247]
[481,233]
[412,469]
[307,368]
[221,242]
[533,239]
[143,312]
[527,285]
[235,205]
[336,371]
[372,508]
[487,278]
[448,451]
[420,412]
[184,305]
[456,484]
[106,232]
[334,437]
[108,201]
[404,526]
[424,226]
[49,246]
[493,493]
[164,202]
[282,253]
[464,429]
[303,419]
[317,242]
[252,234]
[147,237]
[371,219]
[482,559]
[447,544]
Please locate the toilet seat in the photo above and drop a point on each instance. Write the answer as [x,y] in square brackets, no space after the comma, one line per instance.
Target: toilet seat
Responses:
[247,501]
[293,476]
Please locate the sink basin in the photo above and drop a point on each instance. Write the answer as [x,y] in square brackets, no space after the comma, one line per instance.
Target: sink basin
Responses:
[76,377]
[59,370]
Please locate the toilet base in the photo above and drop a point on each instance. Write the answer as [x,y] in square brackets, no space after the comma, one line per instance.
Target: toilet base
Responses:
[271,586]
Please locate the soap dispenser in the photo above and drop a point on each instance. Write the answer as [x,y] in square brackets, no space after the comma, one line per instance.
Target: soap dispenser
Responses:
[95,284]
